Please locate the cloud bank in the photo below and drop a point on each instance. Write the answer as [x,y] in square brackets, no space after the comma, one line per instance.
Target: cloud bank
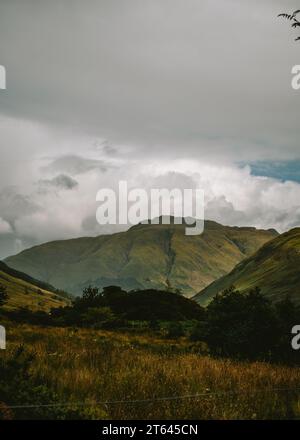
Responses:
[160,92]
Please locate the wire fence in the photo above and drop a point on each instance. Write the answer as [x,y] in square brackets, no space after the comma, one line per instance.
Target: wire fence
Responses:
[155,399]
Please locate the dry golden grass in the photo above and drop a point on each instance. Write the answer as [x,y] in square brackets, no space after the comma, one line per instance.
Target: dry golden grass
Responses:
[96,366]
[23,294]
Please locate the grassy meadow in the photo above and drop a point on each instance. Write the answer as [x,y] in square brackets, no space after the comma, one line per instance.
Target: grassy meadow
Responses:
[84,367]
[22,293]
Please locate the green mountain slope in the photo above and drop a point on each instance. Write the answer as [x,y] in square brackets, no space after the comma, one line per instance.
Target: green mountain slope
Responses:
[144,257]
[24,291]
[274,268]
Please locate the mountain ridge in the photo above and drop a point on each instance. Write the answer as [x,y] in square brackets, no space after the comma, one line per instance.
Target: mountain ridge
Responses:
[145,256]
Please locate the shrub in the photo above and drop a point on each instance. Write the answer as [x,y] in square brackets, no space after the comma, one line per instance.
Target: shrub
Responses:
[198,332]
[247,325]
[98,317]
[3,294]
[175,330]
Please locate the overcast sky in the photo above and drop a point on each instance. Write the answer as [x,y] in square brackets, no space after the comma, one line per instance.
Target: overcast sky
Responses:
[163,93]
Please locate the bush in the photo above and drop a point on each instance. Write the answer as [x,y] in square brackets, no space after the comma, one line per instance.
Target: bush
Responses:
[198,332]
[3,294]
[248,326]
[24,314]
[98,317]
[175,330]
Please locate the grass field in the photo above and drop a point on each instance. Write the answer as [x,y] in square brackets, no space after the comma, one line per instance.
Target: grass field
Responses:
[89,366]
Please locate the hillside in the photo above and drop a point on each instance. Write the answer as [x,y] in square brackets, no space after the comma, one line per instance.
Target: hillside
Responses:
[144,257]
[24,291]
[274,268]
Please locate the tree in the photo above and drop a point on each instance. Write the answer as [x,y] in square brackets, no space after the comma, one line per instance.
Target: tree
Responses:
[91,297]
[3,294]
[241,325]
[90,293]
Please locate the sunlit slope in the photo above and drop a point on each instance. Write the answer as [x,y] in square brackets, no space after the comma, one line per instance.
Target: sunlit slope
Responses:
[275,268]
[22,293]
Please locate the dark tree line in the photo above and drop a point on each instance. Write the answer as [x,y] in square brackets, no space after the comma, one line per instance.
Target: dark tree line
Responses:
[236,325]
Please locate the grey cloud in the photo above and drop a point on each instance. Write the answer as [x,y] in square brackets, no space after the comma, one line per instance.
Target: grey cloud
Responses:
[220,208]
[11,245]
[208,81]
[5,227]
[290,221]
[173,78]
[105,147]
[91,227]
[62,181]
[75,165]
[14,205]
[172,180]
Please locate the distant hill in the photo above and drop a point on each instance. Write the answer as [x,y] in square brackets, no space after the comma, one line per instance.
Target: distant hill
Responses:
[24,291]
[275,268]
[144,257]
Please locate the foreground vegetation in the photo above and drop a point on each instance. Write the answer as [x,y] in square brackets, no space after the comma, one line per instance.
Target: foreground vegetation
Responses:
[151,355]
[79,368]
[243,326]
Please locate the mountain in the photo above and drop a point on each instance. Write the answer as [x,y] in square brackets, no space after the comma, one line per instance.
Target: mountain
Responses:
[274,268]
[144,257]
[24,291]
